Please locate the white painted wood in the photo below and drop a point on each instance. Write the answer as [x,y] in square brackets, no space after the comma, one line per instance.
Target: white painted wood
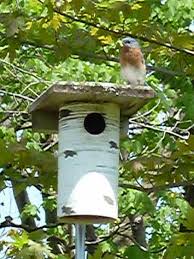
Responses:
[88,165]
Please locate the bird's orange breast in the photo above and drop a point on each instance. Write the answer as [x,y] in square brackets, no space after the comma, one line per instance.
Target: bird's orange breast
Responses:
[132,56]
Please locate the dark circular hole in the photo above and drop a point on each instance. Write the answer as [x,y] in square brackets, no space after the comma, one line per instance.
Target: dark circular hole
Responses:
[94,123]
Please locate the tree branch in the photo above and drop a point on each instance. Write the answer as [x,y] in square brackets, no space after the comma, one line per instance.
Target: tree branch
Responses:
[8,223]
[166,71]
[110,58]
[121,33]
[23,70]
[17,95]
[155,188]
[166,130]
[115,59]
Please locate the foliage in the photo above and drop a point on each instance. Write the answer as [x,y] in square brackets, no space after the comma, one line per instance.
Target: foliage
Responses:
[47,41]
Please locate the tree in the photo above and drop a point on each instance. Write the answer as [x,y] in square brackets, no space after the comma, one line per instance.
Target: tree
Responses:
[46,41]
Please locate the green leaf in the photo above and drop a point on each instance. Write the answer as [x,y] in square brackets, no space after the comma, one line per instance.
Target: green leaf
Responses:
[30,210]
[181,246]
[97,255]
[135,253]
[37,235]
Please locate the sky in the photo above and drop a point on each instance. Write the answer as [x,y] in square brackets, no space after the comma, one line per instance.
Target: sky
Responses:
[8,208]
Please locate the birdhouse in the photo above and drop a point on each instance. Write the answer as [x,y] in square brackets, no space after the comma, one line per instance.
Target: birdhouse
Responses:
[87,117]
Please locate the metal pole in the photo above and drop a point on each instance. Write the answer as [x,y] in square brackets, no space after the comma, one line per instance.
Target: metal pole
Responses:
[80,231]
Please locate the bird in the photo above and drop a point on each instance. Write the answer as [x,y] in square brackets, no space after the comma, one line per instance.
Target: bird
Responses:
[132,62]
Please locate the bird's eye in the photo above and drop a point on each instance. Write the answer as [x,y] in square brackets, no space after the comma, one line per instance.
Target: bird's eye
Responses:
[128,42]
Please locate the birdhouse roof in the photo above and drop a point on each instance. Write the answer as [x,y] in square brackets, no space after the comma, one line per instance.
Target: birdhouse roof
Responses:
[45,108]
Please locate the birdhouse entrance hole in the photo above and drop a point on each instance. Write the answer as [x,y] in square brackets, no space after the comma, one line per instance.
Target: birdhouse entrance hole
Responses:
[94,123]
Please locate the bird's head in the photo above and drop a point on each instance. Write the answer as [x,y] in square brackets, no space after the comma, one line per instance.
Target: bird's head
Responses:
[130,42]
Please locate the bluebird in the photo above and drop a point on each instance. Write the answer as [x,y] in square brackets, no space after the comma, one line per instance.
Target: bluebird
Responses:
[133,67]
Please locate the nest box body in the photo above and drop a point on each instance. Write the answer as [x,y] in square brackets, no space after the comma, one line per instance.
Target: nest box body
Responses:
[87,117]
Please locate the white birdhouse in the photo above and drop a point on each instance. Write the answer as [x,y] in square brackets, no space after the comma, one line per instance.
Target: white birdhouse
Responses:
[87,117]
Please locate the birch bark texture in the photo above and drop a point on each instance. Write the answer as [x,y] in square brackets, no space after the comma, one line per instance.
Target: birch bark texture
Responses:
[88,162]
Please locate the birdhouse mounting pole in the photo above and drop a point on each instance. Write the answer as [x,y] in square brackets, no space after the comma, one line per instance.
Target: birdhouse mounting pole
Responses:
[80,231]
